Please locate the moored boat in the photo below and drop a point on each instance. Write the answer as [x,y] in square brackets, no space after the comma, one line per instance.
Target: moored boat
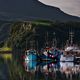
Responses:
[51,53]
[71,50]
[30,55]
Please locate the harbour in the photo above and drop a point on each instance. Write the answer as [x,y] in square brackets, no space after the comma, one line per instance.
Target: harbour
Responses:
[70,52]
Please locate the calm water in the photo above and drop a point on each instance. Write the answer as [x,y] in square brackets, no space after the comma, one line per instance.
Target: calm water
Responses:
[4,73]
[52,71]
[71,7]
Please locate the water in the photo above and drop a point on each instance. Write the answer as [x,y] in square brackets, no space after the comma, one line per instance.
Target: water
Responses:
[52,71]
[4,73]
[71,7]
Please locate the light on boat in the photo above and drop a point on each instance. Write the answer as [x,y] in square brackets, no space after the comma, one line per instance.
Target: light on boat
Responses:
[26,59]
[52,56]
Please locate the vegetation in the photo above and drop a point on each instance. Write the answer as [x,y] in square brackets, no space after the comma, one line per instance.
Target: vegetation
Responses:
[22,32]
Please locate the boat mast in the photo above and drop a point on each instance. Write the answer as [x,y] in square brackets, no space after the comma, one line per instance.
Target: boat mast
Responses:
[71,35]
[37,46]
[70,40]
[46,39]
[54,41]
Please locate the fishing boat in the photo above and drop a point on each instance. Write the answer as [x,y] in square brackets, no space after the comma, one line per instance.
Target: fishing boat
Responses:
[30,66]
[31,52]
[51,53]
[71,50]
[30,55]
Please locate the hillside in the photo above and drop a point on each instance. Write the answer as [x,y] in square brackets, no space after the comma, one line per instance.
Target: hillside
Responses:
[22,33]
[4,30]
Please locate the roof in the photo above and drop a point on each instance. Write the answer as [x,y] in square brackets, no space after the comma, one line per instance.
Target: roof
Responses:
[71,48]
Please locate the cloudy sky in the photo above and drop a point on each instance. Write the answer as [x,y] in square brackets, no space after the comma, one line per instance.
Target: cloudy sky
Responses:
[71,7]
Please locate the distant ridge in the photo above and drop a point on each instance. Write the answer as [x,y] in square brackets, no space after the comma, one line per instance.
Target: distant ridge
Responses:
[31,10]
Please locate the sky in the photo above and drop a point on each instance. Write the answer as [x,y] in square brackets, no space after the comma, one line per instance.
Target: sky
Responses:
[71,7]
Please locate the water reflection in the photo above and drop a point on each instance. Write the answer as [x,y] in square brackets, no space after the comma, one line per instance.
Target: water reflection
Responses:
[53,71]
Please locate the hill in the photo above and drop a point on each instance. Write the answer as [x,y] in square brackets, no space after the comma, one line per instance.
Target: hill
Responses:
[22,32]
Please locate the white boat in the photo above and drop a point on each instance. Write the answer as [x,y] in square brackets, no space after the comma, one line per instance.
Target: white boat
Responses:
[71,50]
[66,58]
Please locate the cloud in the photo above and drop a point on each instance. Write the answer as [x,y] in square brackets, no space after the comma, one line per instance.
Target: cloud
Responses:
[71,7]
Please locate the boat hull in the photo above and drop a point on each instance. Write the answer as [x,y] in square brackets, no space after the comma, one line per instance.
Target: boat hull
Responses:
[67,58]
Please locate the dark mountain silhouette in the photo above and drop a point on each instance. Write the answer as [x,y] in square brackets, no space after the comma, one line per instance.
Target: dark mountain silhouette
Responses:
[32,9]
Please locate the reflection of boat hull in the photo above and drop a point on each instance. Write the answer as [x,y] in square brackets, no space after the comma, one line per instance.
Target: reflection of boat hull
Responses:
[77,59]
[66,64]
[44,58]
[30,65]
[67,58]
[48,58]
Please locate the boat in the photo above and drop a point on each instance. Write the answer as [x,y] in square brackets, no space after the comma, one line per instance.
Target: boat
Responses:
[71,50]
[30,66]
[51,53]
[30,52]
[30,55]
[67,58]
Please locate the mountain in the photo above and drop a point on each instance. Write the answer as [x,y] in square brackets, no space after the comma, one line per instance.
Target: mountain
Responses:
[31,10]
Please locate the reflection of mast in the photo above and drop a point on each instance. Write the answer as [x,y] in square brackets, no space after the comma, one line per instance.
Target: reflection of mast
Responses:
[54,41]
